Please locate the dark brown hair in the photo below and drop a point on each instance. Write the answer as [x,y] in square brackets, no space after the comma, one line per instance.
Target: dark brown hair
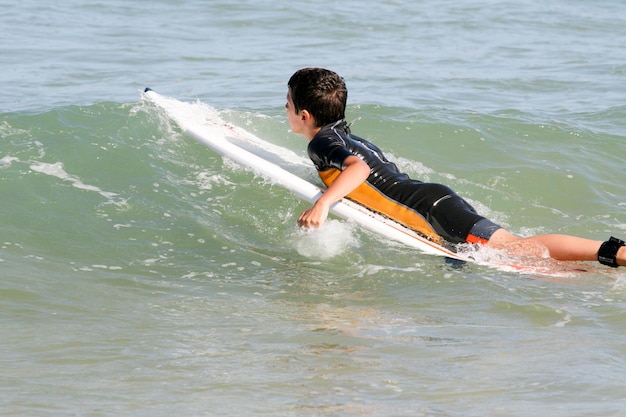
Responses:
[321,92]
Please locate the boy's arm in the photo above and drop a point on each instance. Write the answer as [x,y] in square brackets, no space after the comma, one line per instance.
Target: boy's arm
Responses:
[354,173]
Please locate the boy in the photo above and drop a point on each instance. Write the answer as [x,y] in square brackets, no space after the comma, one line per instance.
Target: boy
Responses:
[354,168]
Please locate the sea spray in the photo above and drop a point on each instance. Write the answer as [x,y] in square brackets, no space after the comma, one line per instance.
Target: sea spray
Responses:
[332,239]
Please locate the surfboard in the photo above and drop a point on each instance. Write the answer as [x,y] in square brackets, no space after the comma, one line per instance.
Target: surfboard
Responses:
[205,124]
[226,139]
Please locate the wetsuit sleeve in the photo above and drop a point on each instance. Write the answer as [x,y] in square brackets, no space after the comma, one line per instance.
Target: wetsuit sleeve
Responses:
[328,153]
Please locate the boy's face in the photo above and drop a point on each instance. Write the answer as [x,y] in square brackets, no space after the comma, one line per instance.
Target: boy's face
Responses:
[295,121]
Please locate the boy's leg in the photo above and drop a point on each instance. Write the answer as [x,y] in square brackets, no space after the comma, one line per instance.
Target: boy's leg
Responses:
[560,247]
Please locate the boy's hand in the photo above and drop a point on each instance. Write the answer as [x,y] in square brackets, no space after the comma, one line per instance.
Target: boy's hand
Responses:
[314,217]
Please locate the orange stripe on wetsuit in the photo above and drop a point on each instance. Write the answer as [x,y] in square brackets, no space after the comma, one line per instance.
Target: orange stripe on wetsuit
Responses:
[370,197]
[476,239]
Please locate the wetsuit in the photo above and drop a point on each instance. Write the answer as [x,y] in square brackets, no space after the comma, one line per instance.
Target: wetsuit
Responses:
[433,210]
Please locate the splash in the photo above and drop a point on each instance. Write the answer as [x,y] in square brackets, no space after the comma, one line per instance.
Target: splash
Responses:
[332,239]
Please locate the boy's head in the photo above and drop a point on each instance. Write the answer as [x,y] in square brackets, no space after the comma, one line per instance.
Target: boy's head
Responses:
[321,92]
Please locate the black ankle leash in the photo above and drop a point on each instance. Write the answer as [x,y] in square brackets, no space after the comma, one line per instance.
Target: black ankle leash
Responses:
[608,252]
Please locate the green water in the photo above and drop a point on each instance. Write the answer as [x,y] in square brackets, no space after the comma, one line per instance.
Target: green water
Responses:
[144,275]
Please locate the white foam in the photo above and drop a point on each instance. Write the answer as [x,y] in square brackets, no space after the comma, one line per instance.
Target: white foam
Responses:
[6,161]
[330,240]
[206,180]
[57,170]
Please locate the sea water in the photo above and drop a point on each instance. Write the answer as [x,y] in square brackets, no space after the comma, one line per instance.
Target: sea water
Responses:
[143,275]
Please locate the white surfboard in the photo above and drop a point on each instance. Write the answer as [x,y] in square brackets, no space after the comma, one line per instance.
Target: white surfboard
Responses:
[211,130]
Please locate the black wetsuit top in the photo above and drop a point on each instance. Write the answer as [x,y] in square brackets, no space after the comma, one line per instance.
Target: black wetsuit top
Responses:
[450,216]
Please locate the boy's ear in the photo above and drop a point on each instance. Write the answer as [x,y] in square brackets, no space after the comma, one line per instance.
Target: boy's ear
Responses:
[307,117]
